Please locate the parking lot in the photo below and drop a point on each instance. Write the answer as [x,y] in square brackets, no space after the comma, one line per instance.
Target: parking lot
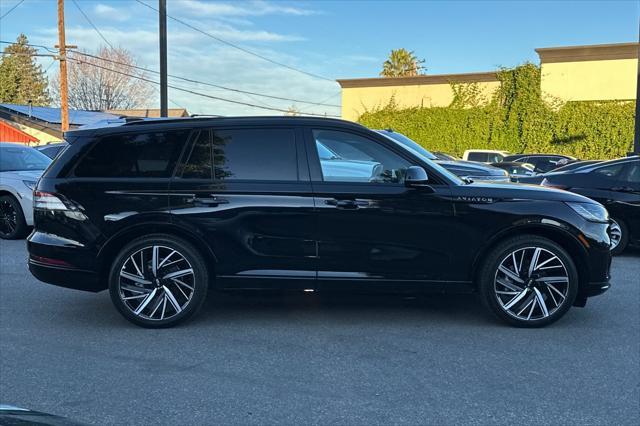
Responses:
[318,359]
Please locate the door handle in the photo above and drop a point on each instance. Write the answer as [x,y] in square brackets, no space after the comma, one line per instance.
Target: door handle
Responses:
[347,204]
[209,201]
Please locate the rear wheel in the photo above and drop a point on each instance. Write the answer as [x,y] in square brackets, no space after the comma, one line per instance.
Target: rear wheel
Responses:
[528,281]
[619,235]
[158,281]
[12,223]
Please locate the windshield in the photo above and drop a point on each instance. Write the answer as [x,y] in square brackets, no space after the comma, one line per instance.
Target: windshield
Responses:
[416,149]
[13,158]
[399,137]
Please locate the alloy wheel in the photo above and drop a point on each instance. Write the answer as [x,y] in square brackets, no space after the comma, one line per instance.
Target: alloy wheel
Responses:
[531,283]
[156,283]
[8,218]
[615,234]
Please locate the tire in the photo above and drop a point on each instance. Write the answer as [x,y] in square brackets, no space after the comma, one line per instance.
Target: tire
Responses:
[163,298]
[523,299]
[620,227]
[12,223]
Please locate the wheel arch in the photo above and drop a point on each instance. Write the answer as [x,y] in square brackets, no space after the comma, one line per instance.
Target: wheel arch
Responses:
[560,236]
[114,244]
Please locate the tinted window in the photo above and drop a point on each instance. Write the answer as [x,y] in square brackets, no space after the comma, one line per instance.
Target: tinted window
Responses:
[399,137]
[255,154]
[545,164]
[478,156]
[357,159]
[22,158]
[133,155]
[198,164]
[611,172]
[632,173]
[494,157]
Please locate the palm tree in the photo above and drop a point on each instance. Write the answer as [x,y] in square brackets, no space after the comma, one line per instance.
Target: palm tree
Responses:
[402,63]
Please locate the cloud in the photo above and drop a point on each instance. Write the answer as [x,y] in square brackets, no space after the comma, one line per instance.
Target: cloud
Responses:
[107,12]
[240,8]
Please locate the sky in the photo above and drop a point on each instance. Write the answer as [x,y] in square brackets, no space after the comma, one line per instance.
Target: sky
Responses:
[329,39]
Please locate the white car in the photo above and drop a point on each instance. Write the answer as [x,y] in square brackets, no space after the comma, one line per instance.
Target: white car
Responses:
[20,169]
[484,155]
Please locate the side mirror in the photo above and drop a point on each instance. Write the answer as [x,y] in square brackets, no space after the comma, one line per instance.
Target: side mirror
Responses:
[416,177]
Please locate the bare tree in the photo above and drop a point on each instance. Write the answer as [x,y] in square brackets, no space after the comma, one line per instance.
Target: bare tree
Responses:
[106,80]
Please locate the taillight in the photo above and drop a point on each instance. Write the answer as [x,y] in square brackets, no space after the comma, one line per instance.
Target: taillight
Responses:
[48,201]
[548,184]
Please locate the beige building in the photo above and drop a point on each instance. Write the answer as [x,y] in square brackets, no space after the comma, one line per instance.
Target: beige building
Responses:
[574,73]
[602,72]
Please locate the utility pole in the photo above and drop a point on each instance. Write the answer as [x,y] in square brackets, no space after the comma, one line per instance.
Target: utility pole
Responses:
[64,98]
[162,9]
[636,136]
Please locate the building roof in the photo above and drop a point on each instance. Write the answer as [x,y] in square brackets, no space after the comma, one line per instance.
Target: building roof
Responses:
[52,115]
[474,77]
[594,52]
[150,113]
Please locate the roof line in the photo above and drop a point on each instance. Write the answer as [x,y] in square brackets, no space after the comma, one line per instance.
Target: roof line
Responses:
[473,77]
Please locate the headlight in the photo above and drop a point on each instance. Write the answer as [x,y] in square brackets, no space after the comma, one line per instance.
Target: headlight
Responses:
[31,184]
[591,211]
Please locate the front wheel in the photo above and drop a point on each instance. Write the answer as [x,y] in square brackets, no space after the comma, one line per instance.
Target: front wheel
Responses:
[528,281]
[158,281]
[12,223]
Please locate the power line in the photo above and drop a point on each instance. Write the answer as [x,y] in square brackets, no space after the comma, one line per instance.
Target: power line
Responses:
[97,30]
[217,86]
[193,92]
[235,46]
[204,83]
[39,46]
[11,10]
[92,24]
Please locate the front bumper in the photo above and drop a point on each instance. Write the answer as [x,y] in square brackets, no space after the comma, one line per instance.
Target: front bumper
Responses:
[25,198]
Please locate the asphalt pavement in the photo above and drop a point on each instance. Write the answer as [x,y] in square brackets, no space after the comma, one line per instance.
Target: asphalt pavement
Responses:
[312,359]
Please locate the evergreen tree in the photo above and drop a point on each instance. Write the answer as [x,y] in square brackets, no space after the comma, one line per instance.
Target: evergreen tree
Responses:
[21,78]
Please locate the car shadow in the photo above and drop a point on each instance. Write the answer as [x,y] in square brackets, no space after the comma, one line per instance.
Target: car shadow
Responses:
[337,307]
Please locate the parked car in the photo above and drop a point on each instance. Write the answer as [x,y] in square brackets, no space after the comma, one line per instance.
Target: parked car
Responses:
[160,211]
[615,184]
[515,170]
[463,169]
[444,156]
[335,167]
[484,155]
[542,163]
[475,171]
[20,168]
[537,179]
[51,150]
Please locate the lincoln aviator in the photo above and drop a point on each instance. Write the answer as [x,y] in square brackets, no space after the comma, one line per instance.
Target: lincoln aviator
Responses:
[162,212]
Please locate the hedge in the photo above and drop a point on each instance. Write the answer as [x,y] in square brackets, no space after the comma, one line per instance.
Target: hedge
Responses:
[515,120]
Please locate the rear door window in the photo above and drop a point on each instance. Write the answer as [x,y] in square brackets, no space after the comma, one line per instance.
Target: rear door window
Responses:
[255,154]
[199,163]
[133,155]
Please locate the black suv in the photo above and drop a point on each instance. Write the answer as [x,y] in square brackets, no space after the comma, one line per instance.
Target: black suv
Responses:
[615,184]
[161,211]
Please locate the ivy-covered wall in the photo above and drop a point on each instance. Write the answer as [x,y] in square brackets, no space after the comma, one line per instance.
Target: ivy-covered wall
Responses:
[516,119]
